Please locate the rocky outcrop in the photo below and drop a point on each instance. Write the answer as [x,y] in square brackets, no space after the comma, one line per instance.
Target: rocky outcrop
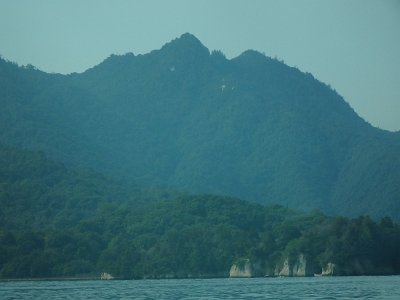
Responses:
[301,267]
[284,270]
[292,266]
[329,269]
[297,268]
[242,269]
[106,276]
[356,267]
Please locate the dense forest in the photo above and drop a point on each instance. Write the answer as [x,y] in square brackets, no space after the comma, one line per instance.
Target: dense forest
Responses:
[61,222]
[182,163]
[183,118]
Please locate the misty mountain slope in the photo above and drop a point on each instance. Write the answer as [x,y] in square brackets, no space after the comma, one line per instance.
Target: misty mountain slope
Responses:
[183,117]
[38,193]
[369,179]
[42,112]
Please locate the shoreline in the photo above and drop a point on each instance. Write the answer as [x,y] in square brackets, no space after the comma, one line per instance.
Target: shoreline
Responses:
[88,278]
[97,278]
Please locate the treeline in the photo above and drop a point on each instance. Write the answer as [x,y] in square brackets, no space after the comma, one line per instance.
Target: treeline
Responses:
[198,236]
[57,222]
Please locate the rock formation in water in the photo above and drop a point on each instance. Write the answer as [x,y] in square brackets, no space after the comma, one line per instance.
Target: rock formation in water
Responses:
[297,268]
[329,269]
[106,276]
[241,269]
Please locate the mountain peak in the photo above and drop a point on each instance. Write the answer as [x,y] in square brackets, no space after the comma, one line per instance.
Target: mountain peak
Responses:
[249,127]
[186,43]
[188,39]
[251,57]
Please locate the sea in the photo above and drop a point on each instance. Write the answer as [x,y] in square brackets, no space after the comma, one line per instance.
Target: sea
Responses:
[360,287]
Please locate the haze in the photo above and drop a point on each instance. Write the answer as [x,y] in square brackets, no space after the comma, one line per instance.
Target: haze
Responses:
[351,45]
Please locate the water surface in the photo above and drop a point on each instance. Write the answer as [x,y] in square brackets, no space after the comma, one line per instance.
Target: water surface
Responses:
[363,287]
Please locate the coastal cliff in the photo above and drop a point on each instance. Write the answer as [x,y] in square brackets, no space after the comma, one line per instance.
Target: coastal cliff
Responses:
[242,269]
[329,269]
[245,268]
[294,268]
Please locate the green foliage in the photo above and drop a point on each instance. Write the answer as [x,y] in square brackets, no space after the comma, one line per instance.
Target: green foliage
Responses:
[57,222]
[180,117]
[250,127]
[198,236]
[39,192]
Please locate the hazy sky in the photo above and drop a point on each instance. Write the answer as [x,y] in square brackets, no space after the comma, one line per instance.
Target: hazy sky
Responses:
[353,45]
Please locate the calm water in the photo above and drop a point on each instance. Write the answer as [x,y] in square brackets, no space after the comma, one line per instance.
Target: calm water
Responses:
[258,288]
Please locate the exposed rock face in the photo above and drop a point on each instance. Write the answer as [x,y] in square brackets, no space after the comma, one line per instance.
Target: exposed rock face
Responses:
[300,267]
[355,267]
[243,268]
[106,276]
[285,271]
[329,270]
[297,269]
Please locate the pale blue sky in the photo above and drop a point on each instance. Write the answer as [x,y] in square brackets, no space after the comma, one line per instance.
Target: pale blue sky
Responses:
[353,45]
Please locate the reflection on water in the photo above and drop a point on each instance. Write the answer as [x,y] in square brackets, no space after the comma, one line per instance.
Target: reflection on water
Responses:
[385,287]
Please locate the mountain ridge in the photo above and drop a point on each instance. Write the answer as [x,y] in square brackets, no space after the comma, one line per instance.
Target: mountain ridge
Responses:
[248,127]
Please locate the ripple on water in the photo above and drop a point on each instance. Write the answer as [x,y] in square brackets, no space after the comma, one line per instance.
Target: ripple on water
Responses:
[385,287]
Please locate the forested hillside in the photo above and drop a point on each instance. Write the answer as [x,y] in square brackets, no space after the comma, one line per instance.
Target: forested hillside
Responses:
[60,222]
[184,118]
[38,193]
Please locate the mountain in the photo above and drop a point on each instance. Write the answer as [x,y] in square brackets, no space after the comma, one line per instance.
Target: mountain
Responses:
[182,117]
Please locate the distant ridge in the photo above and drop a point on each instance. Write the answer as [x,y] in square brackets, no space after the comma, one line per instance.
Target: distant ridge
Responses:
[182,117]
